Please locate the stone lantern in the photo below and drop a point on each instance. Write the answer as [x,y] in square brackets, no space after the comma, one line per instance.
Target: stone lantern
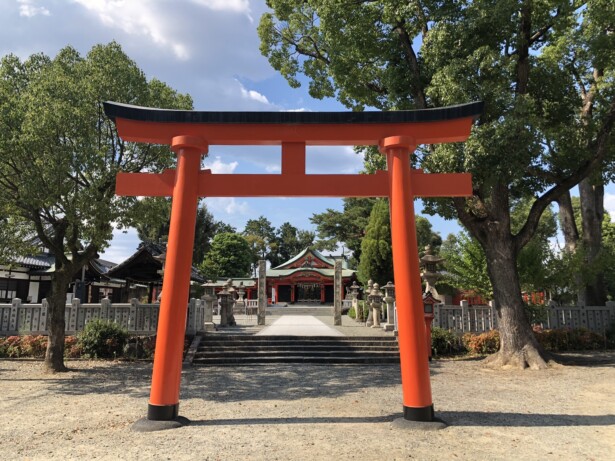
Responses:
[389,299]
[375,302]
[209,297]
[226,305]
[429,265]
[354,294]
[240,305]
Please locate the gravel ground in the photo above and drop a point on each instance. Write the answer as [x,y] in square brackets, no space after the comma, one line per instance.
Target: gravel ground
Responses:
[311,412]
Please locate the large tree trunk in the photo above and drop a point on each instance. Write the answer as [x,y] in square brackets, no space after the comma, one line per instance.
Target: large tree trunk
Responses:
[593,293]
[518,345]
[54,356]
[567,223]
[570,230]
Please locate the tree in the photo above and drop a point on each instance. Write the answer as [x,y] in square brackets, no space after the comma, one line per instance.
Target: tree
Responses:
[347,226]
[530,63]
[376,255]
[260,235]
[288,242]
[466,265]
[60,156]
[152,217]
[229,256]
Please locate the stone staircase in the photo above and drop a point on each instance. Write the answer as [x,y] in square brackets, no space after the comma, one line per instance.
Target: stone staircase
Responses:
[251,350]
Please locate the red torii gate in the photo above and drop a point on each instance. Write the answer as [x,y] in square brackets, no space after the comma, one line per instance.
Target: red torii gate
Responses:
[190,133]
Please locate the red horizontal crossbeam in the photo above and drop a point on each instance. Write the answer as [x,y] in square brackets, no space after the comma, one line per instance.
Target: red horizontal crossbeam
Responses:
[295,185]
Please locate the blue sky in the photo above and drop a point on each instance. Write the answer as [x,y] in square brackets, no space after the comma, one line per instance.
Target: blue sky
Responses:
[209,49]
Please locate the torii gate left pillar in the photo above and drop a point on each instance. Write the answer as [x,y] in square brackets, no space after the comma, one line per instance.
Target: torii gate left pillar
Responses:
[190,133]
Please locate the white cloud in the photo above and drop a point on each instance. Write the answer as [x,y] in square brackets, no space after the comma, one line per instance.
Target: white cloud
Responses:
[253,95]
[29,9]
[122,246]
[273,168]
[609,205]
[301,109]
[235,6]
[217,166]
[228,205]
[137,17]
[333,160]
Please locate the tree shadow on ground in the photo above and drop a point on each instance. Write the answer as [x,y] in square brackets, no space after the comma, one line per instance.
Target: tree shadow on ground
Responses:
[228,384]
[286,382]
[499,419]
[453,418]
[586,358]
[285,421]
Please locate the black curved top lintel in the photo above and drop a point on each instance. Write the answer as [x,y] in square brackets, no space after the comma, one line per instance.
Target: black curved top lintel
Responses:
[115,110]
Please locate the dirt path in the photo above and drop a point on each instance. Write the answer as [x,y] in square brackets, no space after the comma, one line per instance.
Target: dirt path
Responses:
[299,412]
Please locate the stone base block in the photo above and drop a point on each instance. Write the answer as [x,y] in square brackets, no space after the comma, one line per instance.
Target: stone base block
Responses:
[388,327]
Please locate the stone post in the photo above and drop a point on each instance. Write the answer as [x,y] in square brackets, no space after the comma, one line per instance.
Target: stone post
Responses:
[354,294]
[72,318]
[132,315]
[262,291]
[375,298]
[337,293]
[191,324]
[464,315]
[389,299]
[15,306]
[105,306]
[44,311]
[369,322]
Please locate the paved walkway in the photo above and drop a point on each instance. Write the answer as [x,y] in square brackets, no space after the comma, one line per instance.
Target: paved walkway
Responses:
[298,325]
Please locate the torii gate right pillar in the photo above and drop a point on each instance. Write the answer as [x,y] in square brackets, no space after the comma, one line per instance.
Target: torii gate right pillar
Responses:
[413,353]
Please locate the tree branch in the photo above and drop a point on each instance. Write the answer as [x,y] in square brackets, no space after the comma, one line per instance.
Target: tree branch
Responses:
[600,145]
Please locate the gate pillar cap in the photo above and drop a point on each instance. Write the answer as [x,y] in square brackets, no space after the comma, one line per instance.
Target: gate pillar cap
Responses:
[392,142]
[194,142]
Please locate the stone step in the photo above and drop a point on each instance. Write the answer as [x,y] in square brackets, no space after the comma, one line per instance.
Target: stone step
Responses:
[256,360]
[293,347]
[248,350]
[211,336]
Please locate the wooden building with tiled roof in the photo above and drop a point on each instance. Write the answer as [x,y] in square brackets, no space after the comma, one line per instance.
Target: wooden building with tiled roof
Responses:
[305,279]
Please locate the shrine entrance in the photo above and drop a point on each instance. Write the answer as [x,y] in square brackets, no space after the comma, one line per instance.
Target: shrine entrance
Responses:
[308,293]
[190,133]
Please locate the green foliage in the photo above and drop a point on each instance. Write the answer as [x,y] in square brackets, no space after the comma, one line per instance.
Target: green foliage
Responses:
[102,340]
[59,153]
[545,70]
[610,335]
[288,242]
[537,313]
[344,227]
[139,347]
[376,254]
[230,256]
[567,339]
[483,343]
[466,265]
[446,342]
[23,346]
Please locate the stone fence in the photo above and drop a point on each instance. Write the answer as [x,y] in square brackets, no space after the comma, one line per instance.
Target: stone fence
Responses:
[139,319]
[478,319]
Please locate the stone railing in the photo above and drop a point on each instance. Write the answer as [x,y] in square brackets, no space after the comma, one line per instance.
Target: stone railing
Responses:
[477,319]
[25,319]
[594,318]
[464,318]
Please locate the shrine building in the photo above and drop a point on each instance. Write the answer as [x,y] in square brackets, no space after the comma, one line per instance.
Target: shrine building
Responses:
[306,278]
